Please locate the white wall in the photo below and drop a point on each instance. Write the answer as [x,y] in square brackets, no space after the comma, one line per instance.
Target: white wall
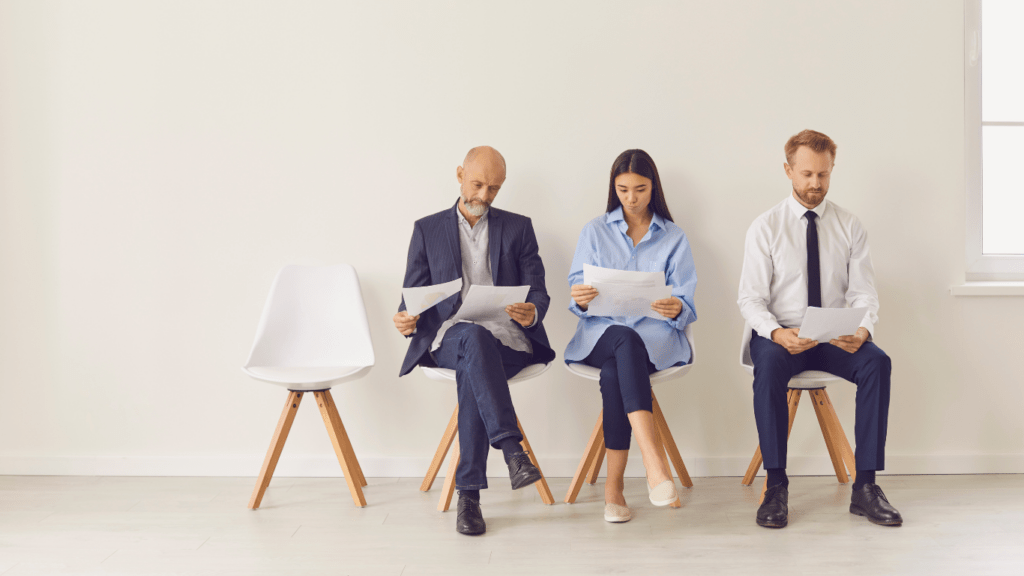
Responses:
[159,161]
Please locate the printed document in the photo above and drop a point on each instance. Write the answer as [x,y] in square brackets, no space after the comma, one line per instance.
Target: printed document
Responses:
[489,302]
[625,293]
[422,298]
[593,274]
[824,324]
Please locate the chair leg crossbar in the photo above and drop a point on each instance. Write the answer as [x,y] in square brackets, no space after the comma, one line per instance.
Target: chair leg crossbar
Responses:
[593,456]
[839,450]
[339,439]
[450,442]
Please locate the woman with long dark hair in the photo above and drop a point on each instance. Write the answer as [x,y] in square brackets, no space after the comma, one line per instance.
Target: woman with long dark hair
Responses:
[636,233]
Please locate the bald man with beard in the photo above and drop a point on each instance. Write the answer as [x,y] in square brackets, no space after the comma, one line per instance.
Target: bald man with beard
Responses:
[491,247]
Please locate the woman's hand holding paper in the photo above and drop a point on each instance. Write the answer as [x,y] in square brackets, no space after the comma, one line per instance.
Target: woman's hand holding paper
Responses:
[583,294]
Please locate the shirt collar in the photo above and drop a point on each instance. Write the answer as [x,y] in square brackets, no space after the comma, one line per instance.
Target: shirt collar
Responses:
[462,217]
[799,209]
[616,216]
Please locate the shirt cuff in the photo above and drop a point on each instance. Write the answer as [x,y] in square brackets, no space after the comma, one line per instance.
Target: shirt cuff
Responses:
[575,309]
[536,317]
[765,329]
[867,324]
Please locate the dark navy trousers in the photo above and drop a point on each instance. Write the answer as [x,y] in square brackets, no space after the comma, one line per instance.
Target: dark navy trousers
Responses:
[869,368]
[482,367]
[625,381]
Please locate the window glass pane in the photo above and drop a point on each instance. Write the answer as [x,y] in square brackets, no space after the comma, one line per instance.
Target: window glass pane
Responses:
[1002,61]
[1003,185]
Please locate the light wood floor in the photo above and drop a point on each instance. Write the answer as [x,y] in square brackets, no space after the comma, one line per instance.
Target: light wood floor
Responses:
[89,525]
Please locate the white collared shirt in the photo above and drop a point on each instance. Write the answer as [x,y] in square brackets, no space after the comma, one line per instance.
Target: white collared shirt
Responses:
[773,283]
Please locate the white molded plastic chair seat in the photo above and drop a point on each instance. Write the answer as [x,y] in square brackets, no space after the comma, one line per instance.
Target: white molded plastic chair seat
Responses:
[310,378]
[449,440]
[591,373]
[442,374]
[314,333]
[815,381]
[593,455]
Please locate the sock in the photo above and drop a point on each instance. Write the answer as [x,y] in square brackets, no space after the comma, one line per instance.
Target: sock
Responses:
[471,494]
[778,476]
[509,446]
[864,477]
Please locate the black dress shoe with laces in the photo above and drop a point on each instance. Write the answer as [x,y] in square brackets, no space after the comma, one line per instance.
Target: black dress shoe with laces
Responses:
[774,510]
[869,501]
[521,471]
[469,520]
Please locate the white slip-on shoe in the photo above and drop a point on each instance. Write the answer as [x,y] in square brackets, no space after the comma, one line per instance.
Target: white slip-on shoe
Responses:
[663,494]
[616,513]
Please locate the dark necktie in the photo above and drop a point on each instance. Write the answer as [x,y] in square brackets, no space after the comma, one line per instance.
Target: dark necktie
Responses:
[813,266]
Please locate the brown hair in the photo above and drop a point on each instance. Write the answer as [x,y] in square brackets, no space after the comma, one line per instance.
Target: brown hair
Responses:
[639,162]
[814,140]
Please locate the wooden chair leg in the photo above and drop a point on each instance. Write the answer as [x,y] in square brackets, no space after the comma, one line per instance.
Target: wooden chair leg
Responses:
[839,437]
[794,403]
[792,400]
[753,468]
[346,443]
[542,484]
[284,425]
[664,460]
[589,455]
[333,423]
[442,451]
[595,468]
[817,397]
[670,443]
[448,488]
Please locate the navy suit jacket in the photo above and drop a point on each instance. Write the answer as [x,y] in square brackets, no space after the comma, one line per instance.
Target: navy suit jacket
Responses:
[435,257]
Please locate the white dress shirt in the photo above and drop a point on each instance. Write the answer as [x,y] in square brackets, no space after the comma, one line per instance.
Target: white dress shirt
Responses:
[773,284]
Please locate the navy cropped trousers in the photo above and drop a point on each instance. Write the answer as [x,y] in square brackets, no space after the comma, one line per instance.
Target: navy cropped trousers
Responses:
[625,381]
[869,368]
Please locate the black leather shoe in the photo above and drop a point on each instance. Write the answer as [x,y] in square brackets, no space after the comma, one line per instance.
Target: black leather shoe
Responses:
[521,471]
[774,510]
[869,501]
[469,520]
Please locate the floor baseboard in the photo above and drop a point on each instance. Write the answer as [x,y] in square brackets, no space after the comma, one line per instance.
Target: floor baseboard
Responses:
[325,466]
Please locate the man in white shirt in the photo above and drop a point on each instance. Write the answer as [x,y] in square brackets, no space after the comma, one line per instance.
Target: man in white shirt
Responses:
[804,252]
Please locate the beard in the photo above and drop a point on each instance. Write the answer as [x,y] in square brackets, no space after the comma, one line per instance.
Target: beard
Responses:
[475,207]
[806,195]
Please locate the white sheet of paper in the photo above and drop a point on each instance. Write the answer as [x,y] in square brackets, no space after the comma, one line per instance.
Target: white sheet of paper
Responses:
[422,298]
[593,274]
[627,300]
[824,324]
[489,302]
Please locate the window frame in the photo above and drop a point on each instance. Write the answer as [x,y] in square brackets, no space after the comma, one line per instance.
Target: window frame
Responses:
[979,266]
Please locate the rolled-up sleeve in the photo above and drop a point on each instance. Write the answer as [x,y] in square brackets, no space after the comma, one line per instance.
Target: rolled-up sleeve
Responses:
[586,250]
[681,274]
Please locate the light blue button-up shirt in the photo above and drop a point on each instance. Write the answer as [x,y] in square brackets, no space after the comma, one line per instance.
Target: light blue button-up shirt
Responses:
[603,242]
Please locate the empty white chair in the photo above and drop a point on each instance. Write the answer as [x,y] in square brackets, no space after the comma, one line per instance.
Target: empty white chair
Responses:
[449,440]
[593,456]
[814,381]
[313,335]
